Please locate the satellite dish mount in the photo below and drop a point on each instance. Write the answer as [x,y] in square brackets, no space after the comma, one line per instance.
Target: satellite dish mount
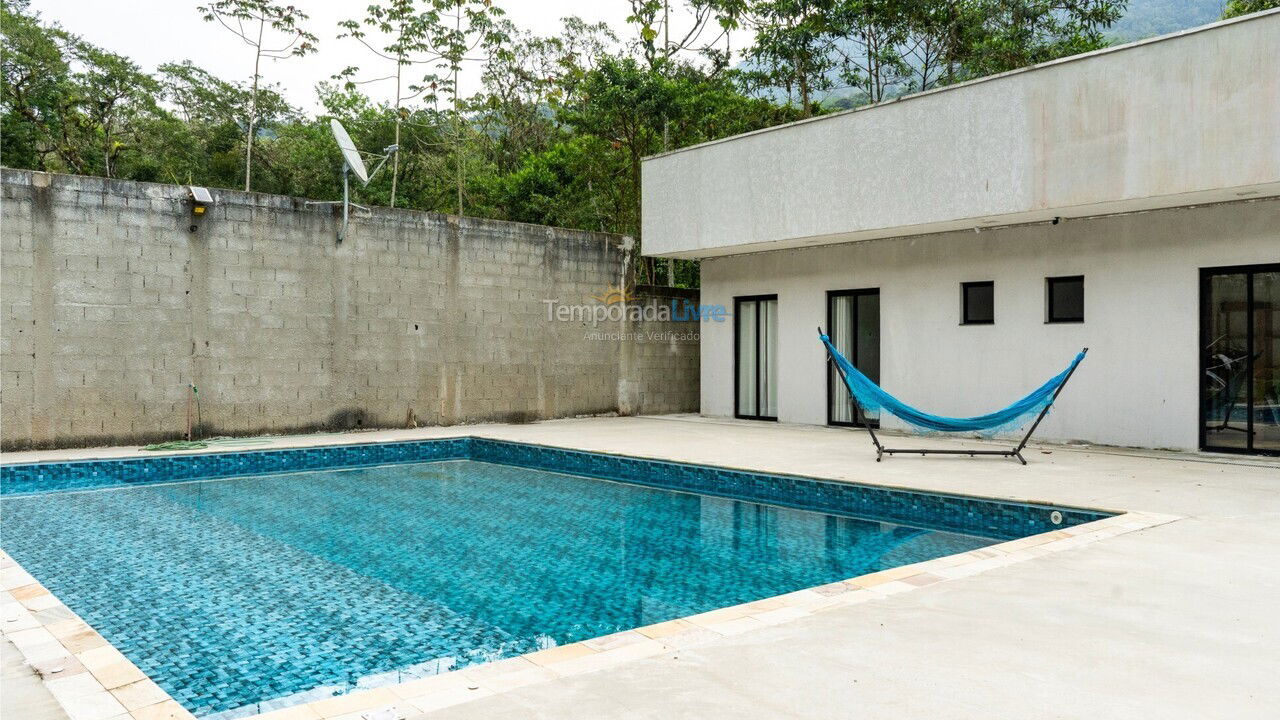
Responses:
[352,163]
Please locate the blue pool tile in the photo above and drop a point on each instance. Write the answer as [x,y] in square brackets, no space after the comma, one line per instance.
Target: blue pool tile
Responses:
[314,567]
[999,519]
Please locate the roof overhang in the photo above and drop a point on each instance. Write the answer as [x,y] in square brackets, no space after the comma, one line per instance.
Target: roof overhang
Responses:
[1185,119]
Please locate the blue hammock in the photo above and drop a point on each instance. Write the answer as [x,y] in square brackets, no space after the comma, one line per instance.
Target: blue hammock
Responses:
[872,397]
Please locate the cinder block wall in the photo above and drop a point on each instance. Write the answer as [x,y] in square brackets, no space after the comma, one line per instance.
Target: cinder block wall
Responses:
[662,373]
[112,304]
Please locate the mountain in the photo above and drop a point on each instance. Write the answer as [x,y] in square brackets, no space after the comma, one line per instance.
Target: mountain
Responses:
[1142,19]
[1147,18]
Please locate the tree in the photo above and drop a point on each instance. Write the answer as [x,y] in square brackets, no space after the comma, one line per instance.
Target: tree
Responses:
[796,46]
[885,48]
[410,30]
[202,97]
[465,26]
[1236,8]
[995,36]
[525,85]
[872,58]
[653,20]
[209,142]
[37,89]
[68,105]
[285,24]
[571,184]
[115,96]
[626,105]
[930,43]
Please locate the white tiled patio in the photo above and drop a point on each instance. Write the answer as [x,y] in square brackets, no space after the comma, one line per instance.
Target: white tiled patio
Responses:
[1177,620]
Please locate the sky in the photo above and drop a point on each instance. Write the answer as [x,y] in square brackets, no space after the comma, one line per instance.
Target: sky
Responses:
[152,32]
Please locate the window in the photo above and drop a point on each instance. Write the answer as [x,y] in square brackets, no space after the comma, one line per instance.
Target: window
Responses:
[853,320]
[1240,359]
[756,357]
[977,303]
[1065,298]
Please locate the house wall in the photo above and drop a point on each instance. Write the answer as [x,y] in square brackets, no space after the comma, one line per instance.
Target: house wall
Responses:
[1183,119]
[1139,383]
[111,305]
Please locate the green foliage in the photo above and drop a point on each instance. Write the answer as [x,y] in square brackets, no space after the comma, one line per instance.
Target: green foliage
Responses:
[37,90]
[69,104]
[285,20]
[116,101]
[557,133]
[569,185]
[201,97]
[1002,35]
[1236,8]
[1148,18]
[796,46]
[883,48]
[273,31]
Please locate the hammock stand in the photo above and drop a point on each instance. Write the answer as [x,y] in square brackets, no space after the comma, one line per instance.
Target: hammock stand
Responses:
[881,450]
[1230,388]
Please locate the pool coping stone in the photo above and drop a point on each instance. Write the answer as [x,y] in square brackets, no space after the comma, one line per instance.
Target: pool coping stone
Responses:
[92,680]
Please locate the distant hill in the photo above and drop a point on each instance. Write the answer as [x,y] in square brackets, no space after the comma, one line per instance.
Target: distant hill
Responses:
[1142,19]
[1148,18]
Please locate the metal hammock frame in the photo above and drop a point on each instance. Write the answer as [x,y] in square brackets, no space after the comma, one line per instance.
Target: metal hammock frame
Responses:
[860,418]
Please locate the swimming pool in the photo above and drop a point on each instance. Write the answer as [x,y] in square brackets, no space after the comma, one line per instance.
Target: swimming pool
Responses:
[232,581]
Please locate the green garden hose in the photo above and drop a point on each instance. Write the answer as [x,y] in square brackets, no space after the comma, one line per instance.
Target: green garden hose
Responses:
[202,444]
[178,445]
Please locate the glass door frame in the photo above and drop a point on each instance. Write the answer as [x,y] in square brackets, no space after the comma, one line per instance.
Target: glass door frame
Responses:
[1206,274]
[831,330]
[737,371]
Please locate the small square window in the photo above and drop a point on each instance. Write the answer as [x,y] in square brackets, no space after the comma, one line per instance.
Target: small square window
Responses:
[1065,298]
[977,303]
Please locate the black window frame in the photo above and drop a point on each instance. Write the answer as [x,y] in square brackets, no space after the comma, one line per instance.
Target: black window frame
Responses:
[1049,314]
[832,294]
[737,371]
[1206,276]
[964,302]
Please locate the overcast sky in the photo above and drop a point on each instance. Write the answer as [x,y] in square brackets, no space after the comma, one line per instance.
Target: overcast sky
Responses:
[152,32]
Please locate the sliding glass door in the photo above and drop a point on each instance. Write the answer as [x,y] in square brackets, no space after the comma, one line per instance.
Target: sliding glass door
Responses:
[756,357]
[1240,359]
[853,319]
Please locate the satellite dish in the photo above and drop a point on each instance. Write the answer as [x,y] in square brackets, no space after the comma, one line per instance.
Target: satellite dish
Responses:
[349,152]
[352,163]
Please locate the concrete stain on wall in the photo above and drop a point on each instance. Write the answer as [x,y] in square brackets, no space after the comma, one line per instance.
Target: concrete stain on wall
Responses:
[113,307]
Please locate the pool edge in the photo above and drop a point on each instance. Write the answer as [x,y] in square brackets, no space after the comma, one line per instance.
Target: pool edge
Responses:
[61,639]
[354,440]
[898,504]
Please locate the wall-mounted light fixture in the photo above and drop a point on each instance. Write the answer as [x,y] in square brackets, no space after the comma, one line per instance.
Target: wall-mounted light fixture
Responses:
[200,201]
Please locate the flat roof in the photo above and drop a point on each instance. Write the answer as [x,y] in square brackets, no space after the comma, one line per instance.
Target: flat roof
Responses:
[1181,119]
[976,81]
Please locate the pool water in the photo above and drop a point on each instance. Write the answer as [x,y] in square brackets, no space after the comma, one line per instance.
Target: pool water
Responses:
[229,593]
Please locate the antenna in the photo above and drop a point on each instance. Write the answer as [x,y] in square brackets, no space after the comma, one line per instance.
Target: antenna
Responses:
[349,152]
[352,163]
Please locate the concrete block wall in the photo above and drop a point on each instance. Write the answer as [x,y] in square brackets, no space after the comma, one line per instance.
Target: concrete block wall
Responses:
[112,305]
[663,372]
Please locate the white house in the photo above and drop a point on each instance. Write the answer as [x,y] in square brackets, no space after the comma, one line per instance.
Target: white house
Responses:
[963,244]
